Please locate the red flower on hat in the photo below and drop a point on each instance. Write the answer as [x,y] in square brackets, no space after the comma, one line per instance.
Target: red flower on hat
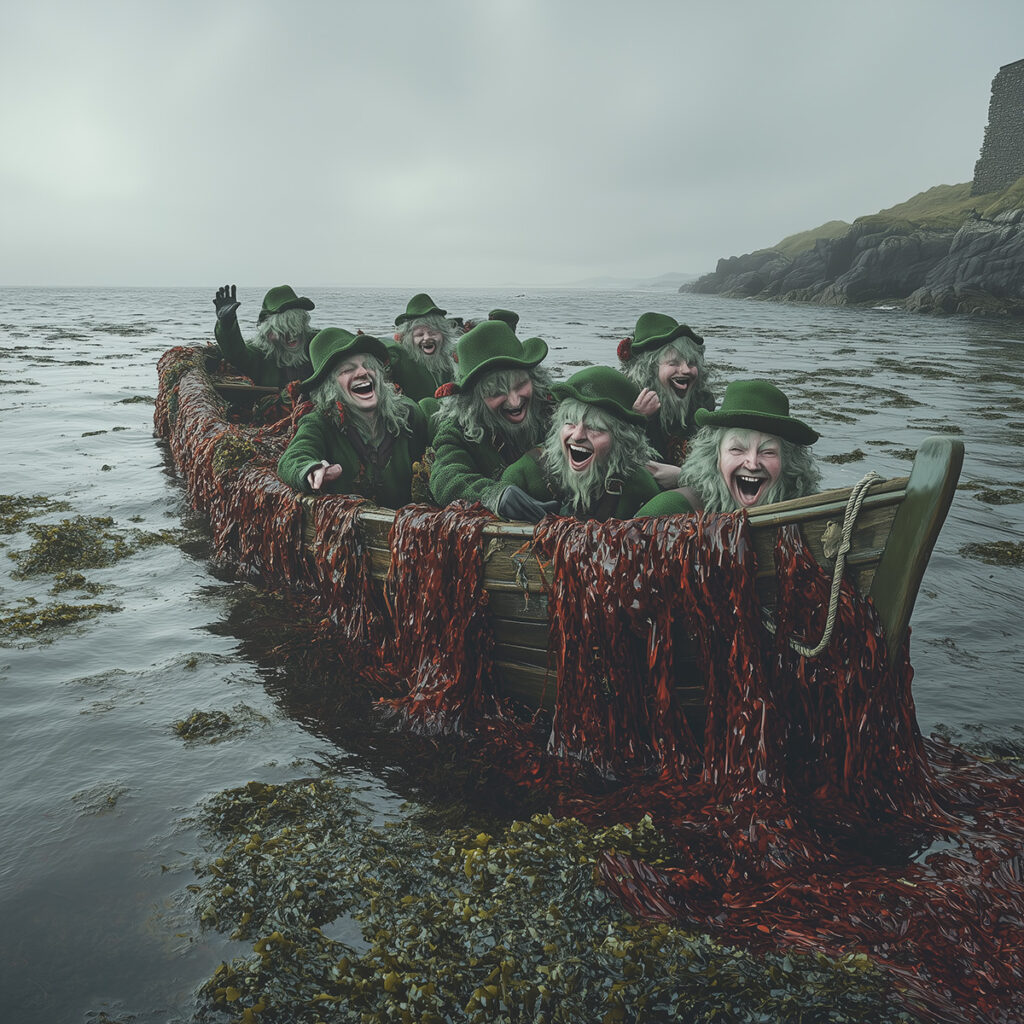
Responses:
[445,390]
[397,336]
[625,349]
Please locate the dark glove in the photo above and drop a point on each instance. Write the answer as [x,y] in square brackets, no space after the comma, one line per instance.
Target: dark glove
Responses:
[225,303]
[515,503]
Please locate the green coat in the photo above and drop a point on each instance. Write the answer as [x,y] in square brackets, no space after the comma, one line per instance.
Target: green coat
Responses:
[415,380]
[254,363]
[640,488]
[318,438]
[463,470]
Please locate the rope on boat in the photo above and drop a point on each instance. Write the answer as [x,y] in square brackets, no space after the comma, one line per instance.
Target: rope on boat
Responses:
[856,499]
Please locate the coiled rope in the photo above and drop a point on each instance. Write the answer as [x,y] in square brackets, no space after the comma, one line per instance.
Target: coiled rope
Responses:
[856,499]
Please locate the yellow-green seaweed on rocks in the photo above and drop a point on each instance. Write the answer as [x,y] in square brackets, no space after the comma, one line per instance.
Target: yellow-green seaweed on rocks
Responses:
[465,926]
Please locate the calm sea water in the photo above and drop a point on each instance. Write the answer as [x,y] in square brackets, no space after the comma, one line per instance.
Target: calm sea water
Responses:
[100,793]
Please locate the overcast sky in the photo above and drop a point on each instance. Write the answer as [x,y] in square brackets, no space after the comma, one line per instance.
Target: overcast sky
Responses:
[426,143]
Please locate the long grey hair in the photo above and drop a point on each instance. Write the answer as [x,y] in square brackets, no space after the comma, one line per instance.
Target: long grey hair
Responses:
[675,414]
[800,474]
[441,365]
[629,451]
[391,414]
[291,323]
[479,423]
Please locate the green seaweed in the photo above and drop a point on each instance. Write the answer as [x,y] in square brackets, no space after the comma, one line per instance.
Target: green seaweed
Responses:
[214,726]
[841,459]
[85,542]
[465,926]
[232,451]
[996,552]
[64,581]
[35,620]
[16,509]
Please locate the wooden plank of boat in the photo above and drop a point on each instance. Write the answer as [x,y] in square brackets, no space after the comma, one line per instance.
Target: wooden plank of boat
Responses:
[890,544]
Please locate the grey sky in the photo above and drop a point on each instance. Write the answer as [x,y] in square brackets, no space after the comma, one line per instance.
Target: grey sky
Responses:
[470,142]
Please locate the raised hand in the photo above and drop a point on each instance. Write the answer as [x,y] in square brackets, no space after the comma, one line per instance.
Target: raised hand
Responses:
[647,403]
[225,303]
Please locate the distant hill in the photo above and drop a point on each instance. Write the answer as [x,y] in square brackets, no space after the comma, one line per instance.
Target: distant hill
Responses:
[668,282]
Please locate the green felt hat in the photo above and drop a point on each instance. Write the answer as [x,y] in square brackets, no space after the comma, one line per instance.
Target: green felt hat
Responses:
[603,388]
[506,315]
[757,405]
[492,345]
[419,305]
[334,343]
[655,330]
[283,297]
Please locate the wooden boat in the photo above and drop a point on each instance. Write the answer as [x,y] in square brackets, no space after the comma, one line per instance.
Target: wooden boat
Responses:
[890,541]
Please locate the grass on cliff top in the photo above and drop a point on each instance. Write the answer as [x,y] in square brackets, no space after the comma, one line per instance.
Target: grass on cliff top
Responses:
[940,207]
[946,206]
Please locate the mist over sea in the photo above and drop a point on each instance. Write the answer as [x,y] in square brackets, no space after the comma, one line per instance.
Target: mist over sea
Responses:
[100,794]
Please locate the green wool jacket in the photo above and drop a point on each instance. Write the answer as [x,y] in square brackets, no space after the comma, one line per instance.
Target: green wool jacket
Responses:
[385,478]
[463,470]
[638,490]
[252,362]
[415,380]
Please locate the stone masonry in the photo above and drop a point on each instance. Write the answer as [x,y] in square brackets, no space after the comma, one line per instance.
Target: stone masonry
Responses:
[1002,153]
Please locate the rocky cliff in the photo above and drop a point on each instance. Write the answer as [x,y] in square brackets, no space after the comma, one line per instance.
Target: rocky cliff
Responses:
[960,262]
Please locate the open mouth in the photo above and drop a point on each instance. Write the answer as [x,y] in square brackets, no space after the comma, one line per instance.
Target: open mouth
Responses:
[681,384]
[749,489]
[579,457]
[362,388]
[516,415]
[292,343]
[428,348]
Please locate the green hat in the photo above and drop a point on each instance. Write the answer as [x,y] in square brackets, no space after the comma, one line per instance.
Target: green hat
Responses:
[492,345]
[604,388]
[333,343]
[655,330]
[512,319]
[283,297]
[757,405]
[419,305]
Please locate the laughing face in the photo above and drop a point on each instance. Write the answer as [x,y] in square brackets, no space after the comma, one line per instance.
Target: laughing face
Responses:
[427,339]
[677,375]
[584,445]
[511,406]
[750,462]
[358,383]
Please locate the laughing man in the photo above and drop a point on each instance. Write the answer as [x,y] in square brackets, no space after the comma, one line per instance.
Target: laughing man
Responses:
[495,411]
[665,359]
[361,437]
[421,355]
[592,460]
[279,352]
[750,452]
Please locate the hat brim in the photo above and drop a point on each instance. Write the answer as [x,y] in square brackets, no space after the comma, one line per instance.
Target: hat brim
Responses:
[786,427]
[433,311]
[364,343]
[534,351]
[564,390]
[300,303]
[661,340]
